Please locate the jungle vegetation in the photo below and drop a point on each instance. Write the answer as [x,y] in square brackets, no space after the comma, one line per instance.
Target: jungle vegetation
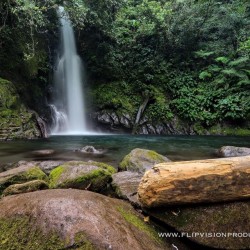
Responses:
[188,58]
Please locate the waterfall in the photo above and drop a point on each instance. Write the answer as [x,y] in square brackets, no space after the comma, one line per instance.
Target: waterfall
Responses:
[68,108]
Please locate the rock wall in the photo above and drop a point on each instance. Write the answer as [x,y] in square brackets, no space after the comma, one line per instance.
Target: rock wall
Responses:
[16,121]
[113,121]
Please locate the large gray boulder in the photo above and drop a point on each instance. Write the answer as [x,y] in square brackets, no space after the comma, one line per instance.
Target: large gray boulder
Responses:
[231,151]
[73,219]
[139,160]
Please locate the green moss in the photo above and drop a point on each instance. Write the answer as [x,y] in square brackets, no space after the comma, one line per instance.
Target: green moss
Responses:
[236,131]
[25,187]
[34,63]
[134,160]
[35,173]
[96,180]
[136,221]
[154,156]
[218,130]
[82,243]
[110,169]
[182,220]
[8,95]
[199,129]
[123,166]
[55,174]
[15,120]
[118,96]
[20,233]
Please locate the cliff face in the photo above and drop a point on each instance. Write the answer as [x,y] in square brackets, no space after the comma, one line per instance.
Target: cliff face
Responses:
[16,121]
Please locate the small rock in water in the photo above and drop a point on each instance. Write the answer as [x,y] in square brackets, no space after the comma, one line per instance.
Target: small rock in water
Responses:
[90,150]
[44,152]
[231,151]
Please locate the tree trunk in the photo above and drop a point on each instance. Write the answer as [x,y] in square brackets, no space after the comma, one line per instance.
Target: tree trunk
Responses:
[211,180]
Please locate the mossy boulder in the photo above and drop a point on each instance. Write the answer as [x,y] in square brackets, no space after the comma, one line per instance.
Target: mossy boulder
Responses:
[94,176]
[16,121]
[26,187]
[73,219]
[21,174]
[45,166]
[140,160]
[125,184]
[215,224]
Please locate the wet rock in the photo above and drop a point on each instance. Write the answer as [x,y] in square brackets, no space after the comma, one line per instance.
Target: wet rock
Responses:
[21,174]
[48,166]
[143,130]
[104,118]
[115,118]
[26,187]
[151,129]
[42,125]
[90,150]
[17,122]
[126,184]
[231,151]
[215,224]
[45,166]
[94,176]
[7,166]
[73,219]
[160,129]
[125,121]
[140,160]
[143,120]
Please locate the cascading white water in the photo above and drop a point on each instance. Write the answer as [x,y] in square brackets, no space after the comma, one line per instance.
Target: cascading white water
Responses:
[68,108]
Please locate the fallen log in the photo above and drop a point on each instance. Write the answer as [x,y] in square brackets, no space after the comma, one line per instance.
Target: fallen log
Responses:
[198,181]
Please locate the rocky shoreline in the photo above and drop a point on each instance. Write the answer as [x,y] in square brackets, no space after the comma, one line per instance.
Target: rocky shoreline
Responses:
[89,205]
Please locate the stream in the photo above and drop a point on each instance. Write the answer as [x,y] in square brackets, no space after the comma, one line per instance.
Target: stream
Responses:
[115,147]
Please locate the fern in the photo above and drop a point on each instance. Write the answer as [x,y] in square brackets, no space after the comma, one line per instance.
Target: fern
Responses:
[244,83]
[203,54]
[229,72]
[239,62]
[222,59]
[204,75]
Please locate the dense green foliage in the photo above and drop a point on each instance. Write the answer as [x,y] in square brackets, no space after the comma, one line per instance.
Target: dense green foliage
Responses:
[25,27]
[189,57]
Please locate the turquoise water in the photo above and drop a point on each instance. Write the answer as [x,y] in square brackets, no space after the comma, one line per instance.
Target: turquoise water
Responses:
[117,146]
